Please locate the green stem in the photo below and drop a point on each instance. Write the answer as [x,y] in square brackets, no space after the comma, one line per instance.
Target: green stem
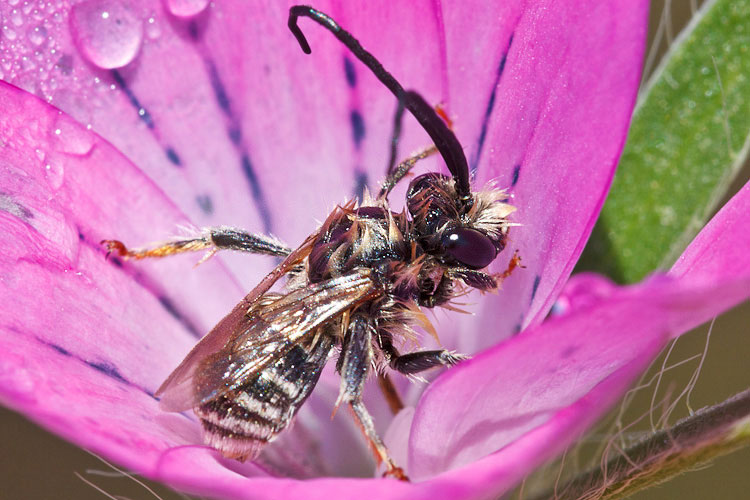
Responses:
[692,442]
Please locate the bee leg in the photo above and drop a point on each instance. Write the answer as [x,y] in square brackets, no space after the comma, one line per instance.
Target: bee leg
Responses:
[514,263]
[363,418]
[357,355]
[402,169]
[415,362]
[211,239]
[477,279]
[390,393]
[394,174]
[395,136]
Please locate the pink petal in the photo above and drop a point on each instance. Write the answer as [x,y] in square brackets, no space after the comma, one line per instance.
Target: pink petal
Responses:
[209,97]
[85,342]
[114,331]
[543,378]
[214,90]
[720,250]
[534,394]
[559,121]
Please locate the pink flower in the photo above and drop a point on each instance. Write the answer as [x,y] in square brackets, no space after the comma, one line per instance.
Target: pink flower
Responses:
[176,113]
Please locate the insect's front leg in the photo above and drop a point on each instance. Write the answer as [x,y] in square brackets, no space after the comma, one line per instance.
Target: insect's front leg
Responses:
[487,282]
[211,239]
[403,168]
[357,355]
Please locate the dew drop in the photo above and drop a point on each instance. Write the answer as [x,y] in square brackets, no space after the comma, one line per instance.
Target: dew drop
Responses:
[16,17]
[38,35]
[9,33]
[186,8]
[71,138]
[27,64]
[106,32]
[54,173]
[153,31]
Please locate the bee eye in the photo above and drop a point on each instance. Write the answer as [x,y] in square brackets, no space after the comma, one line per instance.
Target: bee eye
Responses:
[469,247]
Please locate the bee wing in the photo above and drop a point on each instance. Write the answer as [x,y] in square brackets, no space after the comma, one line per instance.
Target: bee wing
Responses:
[262,334]
[179,380]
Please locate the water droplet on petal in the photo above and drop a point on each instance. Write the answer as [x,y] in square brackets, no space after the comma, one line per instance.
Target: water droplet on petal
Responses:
[153,31]
[186,8]
[106,32]
[69,137]
[38,35]
[54,173]
[9,33]
[16,17]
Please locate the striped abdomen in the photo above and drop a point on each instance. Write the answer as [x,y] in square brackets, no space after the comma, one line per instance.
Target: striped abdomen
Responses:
[242,421]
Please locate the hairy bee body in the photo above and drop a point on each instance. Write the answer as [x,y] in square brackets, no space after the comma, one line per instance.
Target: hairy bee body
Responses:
[387,247]
[356,285]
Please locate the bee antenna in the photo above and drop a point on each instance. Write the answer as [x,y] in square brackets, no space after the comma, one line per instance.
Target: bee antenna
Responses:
[445,140]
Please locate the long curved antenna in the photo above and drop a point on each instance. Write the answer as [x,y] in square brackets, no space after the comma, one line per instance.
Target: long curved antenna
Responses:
[442,136]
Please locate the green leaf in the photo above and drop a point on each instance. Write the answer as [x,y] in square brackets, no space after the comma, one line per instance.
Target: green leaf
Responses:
[688,139]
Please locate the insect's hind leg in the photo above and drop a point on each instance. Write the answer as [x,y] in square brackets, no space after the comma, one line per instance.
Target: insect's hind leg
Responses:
[381,452]
[211,239]
[354,365]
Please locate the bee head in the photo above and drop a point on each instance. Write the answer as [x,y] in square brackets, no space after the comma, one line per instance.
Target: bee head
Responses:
[461,231]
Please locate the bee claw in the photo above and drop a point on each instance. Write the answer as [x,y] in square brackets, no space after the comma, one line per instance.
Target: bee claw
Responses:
[396,473]
[114,246]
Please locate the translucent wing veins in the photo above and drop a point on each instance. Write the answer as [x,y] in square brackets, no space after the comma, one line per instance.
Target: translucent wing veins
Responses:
[266,332]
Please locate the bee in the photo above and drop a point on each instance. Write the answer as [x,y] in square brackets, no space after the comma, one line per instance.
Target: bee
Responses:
[357,285]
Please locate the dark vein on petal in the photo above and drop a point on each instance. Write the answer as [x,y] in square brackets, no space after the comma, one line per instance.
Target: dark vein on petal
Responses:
[357,123]
[489,109]
[205,203]
[358,127]
[59,349]
[104,367]
[360,182]
[350,72]
[535,286]
[107,369]
[145,116]
[173,156]
[234,131]
[516,174]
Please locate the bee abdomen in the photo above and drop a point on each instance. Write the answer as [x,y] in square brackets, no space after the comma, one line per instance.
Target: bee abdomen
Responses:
[239,423]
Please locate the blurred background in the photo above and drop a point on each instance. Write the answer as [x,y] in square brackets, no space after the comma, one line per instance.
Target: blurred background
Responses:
[37,465]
